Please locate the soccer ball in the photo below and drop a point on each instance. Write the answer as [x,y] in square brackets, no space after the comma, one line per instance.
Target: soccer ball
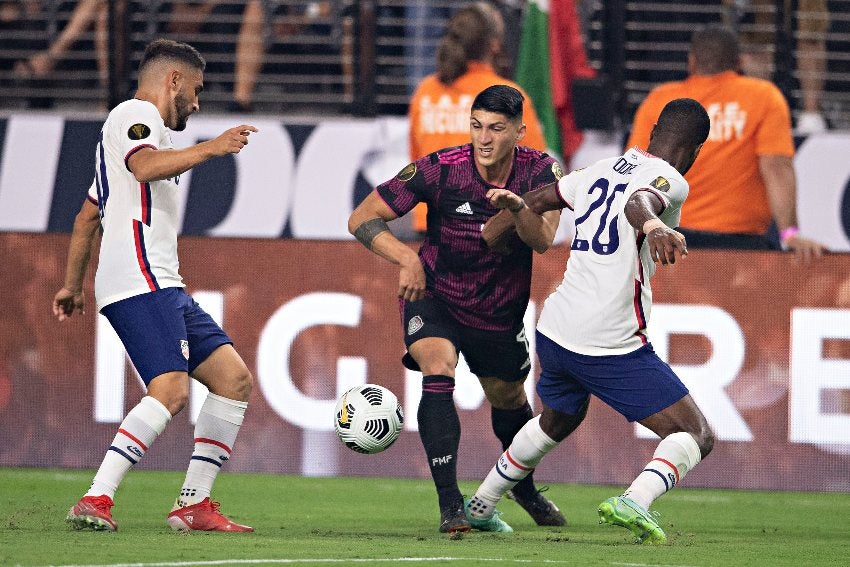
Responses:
[368,418]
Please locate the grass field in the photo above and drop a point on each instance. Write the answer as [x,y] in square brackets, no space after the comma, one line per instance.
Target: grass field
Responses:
[366,521]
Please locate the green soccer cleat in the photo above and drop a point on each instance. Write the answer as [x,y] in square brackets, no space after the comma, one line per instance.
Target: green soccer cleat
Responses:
[492,524]
[625,512]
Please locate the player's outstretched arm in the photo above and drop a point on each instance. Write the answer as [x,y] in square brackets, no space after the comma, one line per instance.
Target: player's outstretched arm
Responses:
[664,243]
[535,229]
[368,224]
[71,298]
[149,164]
[502,225]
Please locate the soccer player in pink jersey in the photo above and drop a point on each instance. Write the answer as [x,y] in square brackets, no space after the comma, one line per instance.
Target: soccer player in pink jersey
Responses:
[134,200]
[457,295]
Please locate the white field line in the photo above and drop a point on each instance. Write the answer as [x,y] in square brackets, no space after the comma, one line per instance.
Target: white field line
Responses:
[650,565]
[319,561]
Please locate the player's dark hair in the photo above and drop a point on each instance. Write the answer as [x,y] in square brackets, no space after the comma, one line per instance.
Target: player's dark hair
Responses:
[685,121]
[502,99]
[715,49]
[160,49]
[467,38]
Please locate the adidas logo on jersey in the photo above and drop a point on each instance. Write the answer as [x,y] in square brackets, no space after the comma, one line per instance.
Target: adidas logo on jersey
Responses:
[464,208]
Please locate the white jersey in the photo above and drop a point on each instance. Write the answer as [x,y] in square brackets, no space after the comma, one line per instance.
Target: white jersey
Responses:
[138,251]
[603,303]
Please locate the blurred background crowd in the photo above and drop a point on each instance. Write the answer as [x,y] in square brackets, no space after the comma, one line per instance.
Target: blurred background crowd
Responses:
[366,57]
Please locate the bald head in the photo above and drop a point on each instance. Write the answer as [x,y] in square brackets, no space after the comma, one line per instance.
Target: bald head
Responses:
[162,54]
[715,49]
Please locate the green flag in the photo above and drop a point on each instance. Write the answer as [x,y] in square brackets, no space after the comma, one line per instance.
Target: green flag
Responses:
[532,70]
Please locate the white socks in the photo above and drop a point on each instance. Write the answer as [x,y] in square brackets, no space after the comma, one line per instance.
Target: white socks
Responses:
[135,435]
[529,446]
[215,433]
[677,454]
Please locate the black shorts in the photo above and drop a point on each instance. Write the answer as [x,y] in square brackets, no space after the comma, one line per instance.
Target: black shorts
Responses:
[489,354]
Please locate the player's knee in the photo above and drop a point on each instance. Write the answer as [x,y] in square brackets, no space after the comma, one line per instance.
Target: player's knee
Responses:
[437,368]
[171,390]
[557,425]
[705,440]
[177,400]
[507,395]
[242,384]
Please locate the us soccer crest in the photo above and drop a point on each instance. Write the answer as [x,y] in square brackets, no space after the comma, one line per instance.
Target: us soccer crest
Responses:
[184,348]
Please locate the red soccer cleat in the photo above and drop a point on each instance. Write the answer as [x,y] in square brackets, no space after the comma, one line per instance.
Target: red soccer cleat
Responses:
[94,513]
[203,516]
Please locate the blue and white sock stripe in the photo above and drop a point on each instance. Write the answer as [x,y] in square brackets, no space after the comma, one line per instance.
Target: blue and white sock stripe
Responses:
[669,480]
[504,476]
[216,462]
[661,476]
[506,460]
[123,454]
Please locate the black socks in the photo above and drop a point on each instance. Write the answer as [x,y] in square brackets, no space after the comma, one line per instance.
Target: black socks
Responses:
[439,429]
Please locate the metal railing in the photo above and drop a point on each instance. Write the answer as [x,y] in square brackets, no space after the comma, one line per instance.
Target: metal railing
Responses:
[365,57]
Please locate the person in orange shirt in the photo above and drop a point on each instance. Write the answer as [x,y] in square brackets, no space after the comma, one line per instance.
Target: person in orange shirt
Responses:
[440,106]
[744,176]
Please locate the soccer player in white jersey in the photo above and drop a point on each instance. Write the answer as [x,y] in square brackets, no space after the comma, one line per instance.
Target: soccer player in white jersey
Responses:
[591,336]
[134,199]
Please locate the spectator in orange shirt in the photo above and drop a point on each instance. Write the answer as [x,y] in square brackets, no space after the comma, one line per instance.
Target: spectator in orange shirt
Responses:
[466,65]
[744,176]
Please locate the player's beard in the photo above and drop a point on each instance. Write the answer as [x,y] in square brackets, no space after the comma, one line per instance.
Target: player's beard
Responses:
[182,112]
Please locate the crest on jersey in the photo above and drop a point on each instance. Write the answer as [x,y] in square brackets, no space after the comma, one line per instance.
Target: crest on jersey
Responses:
[407,173]
[557,171]
[138,132]
[414,325]
[184,348]
[661,184]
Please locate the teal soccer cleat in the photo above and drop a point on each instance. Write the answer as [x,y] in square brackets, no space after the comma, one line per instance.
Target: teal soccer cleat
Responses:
[492,524]
[625,512]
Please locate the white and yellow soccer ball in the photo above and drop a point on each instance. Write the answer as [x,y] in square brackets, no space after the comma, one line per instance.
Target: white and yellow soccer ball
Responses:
[368,418]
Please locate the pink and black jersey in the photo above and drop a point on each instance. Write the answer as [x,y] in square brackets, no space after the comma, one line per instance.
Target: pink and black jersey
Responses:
[603,303]
[138,252]
[482,288]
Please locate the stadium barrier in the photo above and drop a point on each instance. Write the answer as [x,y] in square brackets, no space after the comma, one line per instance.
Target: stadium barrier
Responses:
[761,340]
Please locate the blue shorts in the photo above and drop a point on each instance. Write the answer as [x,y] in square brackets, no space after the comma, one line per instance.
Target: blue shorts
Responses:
[637,384]
[164,331]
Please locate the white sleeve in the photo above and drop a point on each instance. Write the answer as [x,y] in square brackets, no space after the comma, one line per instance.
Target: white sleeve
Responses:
[568,185]
[139,126]
[672,190]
